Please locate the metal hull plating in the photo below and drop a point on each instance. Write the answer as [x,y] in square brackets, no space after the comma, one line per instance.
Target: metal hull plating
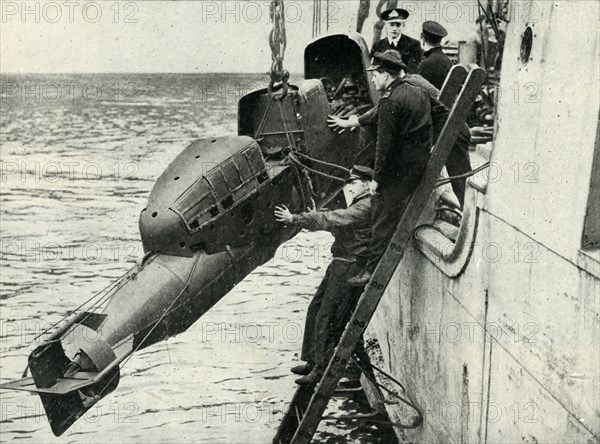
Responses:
[496,335]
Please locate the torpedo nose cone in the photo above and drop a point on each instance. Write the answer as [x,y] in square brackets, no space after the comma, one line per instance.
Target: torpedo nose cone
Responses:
[163,230]
[201,185]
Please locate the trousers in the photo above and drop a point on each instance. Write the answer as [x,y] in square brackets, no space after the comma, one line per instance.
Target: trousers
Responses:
[328,313]
[387,207]
[459,162]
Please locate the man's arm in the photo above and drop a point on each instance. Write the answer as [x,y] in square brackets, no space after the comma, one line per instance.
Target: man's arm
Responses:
[370,117]
[373,49]
[340,125]
[427,70]
[378,47]
[357,215]
[386,135]
[415,55]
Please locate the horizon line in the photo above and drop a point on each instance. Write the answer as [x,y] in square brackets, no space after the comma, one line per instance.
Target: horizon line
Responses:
[140,72]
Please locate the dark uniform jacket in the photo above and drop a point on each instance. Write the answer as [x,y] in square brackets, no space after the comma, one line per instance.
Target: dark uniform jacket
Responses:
[435,67]
[439,111]
[409,49]
[350,226]
[404,135]
[458,162]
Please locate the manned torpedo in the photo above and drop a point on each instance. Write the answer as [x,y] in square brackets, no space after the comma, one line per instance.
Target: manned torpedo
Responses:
[209,222]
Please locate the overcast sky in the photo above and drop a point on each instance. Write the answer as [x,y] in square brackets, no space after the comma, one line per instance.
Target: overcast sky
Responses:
[174,36]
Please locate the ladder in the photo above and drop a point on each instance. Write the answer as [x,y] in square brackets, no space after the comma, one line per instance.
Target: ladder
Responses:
[308,404]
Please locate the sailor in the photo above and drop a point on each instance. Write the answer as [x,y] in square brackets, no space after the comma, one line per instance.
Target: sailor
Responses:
[409,48]
[404,140]
[435,65]
[458,162]
[334,302]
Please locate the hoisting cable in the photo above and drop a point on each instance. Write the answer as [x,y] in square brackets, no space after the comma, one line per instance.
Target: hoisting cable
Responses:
[295,160]
[289,135]
[304,186]
[316,18]
[322,162]
[263,121]
[493,21]
[278,42]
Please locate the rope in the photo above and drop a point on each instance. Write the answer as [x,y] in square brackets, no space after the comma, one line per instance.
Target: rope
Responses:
[166,312]
[293,158]
[322,162]
[462,176]
[263,121]
[109,292]
[288,134]
[391,392]
[108,289]
[121,283]
[386,375]
[316,31]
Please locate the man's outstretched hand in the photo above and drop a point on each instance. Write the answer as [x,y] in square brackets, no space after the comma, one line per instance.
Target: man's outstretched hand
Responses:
[283,215]
[339,125]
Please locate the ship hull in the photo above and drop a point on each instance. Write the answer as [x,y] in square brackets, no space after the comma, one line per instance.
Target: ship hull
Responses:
[495,333]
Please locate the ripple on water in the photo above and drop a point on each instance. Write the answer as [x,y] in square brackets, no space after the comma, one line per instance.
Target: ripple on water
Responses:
[70,217]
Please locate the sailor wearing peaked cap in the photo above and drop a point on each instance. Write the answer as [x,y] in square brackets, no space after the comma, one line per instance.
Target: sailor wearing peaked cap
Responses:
[404,138]
[335,301]
[434,31]
[359,172]
[409,48]
[397,14]
[435,65]
[388,60]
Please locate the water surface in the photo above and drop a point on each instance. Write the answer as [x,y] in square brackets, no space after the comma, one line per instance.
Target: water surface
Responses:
[80,154]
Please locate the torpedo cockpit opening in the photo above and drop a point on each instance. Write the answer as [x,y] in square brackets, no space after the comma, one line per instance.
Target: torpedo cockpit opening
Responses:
[339,62]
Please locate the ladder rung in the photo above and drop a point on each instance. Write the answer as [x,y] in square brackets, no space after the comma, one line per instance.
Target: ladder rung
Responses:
[373,292]
[299,414]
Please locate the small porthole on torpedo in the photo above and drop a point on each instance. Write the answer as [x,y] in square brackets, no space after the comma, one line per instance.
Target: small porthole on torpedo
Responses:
[247,213]
[526,44]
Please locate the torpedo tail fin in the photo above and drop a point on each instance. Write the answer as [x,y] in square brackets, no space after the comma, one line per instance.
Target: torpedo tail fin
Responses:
[69,387]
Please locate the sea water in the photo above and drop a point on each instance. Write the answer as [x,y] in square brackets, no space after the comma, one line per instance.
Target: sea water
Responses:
[79,156]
